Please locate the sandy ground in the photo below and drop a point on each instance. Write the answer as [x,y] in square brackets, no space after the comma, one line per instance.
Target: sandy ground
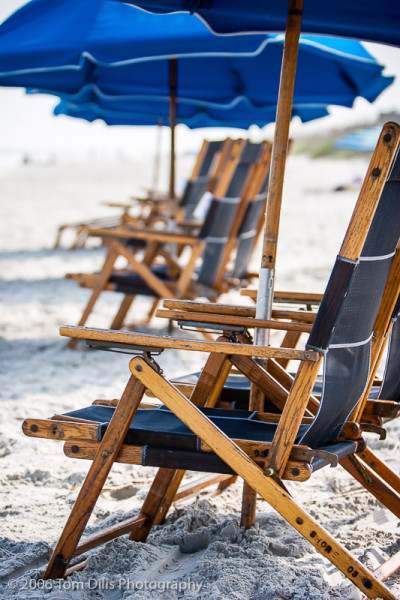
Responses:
[201,551]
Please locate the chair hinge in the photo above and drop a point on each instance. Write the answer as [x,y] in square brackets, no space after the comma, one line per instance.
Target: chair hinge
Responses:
[372,428]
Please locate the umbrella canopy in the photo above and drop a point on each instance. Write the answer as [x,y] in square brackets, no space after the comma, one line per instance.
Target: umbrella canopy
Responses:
[193,115]
[105,52]
[359,19]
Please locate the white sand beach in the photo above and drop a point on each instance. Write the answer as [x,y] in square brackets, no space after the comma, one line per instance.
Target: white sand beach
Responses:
[201,551]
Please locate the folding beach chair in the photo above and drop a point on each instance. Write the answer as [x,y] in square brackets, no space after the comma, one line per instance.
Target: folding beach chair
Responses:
[261,448]
[236,198]
[152,207]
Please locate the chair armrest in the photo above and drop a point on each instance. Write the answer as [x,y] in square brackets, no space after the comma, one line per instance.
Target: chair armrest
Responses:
[191,224]
[231,321]
[291,297]
[136,341]
[116,204]
[145,234]
[240,311]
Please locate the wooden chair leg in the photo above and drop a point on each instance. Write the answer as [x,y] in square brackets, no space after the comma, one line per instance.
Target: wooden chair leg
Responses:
[100,286]
[249,496]
[381,469]
[57,241]
[119,318]
[388,568]
[372,482]
[158,501]
[95,479]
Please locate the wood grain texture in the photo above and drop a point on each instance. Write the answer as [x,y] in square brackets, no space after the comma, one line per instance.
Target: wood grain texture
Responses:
[372,482]
[232,320]
[281,137]
[378,170]
[87,333]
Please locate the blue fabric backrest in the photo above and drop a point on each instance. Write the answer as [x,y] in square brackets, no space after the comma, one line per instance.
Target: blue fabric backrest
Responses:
[353,296]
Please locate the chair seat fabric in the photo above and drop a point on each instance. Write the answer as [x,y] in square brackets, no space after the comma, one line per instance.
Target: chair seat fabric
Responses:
[131,283]
[167,442]
[237,389]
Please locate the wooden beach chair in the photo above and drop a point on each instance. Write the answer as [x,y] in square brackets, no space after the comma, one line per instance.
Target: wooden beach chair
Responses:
[238,196]
[261,448]
[153,207]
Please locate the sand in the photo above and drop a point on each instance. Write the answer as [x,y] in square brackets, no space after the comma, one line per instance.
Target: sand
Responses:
[201,551]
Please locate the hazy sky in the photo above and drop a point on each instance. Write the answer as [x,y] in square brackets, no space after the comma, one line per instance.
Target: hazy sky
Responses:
[27,123]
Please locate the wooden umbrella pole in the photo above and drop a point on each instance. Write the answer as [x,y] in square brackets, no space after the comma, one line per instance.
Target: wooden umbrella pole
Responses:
[157,158]
[172,123]
[279,152]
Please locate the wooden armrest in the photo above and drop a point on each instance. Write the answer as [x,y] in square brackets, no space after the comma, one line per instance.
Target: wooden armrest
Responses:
[239,311]
[191,224]
[145,234]
[231,320]
[295,297]
[156,341]
[116,204]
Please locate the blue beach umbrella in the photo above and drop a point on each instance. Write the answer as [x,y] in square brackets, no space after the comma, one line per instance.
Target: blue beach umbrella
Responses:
[102,48]
[193,115]
[358,19]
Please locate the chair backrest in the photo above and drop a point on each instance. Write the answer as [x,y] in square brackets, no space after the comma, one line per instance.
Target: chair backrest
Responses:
[202,175]
[218,227]
[390,388]
[249,231]
[344,324]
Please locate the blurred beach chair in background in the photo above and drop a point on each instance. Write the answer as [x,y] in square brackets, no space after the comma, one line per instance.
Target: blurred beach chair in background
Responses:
[155,205]
[233,215]
[264,449]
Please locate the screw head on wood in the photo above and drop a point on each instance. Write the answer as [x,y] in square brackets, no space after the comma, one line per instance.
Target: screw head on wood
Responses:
[105,454]
[269,472]
[34,428]
[139,368]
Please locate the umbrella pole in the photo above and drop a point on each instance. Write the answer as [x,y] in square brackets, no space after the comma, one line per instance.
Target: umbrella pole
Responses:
[172,123]
[279,152]
[157,159]
[267,272]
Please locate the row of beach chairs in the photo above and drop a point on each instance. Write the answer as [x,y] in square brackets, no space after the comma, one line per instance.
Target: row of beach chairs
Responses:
[195,259]
[293,424]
